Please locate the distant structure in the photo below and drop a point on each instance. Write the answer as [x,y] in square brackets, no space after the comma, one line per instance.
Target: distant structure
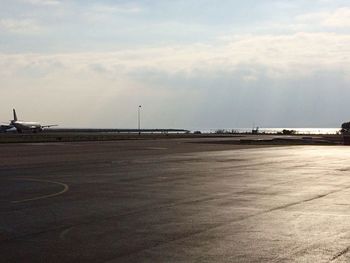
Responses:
[345,127]
[255,130]
[345,131]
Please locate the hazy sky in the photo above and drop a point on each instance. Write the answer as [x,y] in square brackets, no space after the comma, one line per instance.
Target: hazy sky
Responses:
[189,63]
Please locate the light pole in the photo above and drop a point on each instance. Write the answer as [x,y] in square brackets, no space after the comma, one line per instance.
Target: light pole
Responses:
[139,120]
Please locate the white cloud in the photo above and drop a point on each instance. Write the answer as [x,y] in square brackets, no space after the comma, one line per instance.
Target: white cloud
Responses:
[115,8]
[340,18]
[281,55]
[42,2]
[25,26]
[107,13]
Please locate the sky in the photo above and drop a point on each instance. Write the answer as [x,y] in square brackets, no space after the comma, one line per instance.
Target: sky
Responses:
[195,64]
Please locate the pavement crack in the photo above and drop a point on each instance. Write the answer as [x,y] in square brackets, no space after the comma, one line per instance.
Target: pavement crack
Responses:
[307,200]
[341,253]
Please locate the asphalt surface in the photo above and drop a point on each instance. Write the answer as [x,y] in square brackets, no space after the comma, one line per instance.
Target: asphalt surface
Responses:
[173,201]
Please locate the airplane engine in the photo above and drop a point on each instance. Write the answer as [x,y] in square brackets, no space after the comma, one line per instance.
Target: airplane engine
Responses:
[37,130]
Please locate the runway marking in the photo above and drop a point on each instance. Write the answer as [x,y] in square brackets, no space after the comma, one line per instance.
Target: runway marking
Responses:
[65,189]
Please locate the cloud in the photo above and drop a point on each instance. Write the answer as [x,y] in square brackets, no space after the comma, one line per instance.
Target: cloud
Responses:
[23,26]
[110,9]
[340,18]
[280,55]
[106,14]
[42,2]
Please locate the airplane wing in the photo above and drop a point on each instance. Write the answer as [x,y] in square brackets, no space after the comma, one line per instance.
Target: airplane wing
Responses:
[48,126]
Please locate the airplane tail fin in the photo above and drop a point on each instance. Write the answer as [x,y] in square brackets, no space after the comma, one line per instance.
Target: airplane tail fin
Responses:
[14,115]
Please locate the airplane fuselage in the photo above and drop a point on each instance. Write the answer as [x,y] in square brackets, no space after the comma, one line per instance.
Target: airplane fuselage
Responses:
[27,126]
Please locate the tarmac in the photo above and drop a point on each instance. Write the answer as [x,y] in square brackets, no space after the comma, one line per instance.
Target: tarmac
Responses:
[173,200]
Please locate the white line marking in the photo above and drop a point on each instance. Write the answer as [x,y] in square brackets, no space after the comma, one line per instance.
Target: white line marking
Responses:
[65,189]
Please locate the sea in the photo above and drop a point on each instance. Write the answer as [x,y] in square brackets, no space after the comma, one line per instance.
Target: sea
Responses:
[272,130]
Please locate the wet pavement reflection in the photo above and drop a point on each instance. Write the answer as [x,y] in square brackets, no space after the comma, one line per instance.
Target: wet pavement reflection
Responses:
[173,202]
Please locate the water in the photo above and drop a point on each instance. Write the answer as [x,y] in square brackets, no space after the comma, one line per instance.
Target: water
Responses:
[276,130]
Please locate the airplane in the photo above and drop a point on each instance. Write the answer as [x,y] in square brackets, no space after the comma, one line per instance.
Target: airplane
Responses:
[27,126]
